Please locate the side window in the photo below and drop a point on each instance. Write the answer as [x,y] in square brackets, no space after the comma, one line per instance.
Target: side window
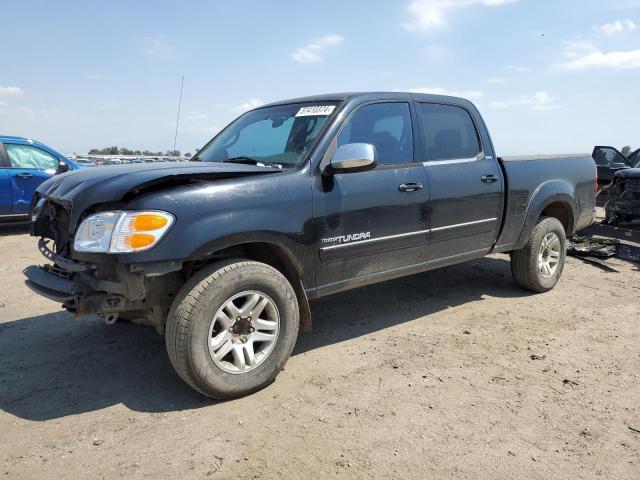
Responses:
[27,156]
[448,132]
[387,126]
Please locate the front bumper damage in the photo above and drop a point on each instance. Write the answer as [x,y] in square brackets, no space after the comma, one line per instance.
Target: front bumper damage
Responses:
[623,198]
[85,288]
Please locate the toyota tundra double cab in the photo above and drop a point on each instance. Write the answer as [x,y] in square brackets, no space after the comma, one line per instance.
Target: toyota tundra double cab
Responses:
[293,201]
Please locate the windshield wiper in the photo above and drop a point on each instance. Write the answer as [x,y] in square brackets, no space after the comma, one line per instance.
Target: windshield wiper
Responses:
[251,161]
[242,159]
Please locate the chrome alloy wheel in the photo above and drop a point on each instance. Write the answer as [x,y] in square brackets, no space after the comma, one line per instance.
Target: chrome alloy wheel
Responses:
[549,255]
[243,332]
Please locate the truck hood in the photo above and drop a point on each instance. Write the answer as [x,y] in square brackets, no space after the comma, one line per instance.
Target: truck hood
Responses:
[80,189]
[628,173]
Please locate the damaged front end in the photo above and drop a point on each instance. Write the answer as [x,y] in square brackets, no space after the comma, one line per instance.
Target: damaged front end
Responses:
[108,288]
[623,198]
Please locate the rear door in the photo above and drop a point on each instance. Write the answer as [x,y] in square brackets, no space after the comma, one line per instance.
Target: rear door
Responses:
[368,223]
[29,166]
[608,161]
[465,183]
[6,203]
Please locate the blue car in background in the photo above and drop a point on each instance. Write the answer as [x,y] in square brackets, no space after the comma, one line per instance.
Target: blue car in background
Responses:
[24,165]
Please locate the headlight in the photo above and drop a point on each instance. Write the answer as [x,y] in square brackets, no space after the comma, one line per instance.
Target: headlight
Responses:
[122,232]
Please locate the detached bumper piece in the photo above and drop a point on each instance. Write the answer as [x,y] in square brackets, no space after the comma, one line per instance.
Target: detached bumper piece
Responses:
[75,292]
[51,283]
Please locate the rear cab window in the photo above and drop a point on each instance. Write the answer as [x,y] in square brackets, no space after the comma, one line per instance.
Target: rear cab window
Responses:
[448,132]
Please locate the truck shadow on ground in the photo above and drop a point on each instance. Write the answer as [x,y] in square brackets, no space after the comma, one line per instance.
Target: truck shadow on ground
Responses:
[53,366]
[8,229]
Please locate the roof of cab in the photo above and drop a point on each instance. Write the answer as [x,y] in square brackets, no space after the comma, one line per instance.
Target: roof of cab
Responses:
[369,96]
[13,138]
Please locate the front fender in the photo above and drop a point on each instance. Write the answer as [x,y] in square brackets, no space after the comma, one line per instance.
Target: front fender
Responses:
[547,193]
[290,248]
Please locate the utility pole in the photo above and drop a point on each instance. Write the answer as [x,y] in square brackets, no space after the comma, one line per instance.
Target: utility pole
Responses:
[175,138]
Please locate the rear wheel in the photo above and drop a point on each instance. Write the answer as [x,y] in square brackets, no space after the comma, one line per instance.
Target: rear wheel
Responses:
[232,328]
[538,266]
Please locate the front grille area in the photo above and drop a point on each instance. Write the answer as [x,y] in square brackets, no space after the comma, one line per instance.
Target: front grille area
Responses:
[632,185]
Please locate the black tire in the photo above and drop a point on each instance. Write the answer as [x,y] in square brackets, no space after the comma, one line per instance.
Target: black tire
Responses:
[188,322]
[524,262]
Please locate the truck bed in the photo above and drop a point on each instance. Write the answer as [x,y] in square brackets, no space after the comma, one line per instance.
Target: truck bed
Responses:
[527,178]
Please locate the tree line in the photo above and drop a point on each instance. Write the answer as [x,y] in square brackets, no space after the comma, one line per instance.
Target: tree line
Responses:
[115,150]
[626,150]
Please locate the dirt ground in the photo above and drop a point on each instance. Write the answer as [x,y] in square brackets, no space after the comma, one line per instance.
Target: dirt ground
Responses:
[454,373]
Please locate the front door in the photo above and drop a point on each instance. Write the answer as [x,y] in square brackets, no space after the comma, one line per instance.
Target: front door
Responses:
[374,222]
[29,167]
[608,161]
[465,183]
[5,192]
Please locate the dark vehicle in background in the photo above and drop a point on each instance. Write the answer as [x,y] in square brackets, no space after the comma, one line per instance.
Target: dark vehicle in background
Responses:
[24,165]
[291,202]
[623,193]
[609,161]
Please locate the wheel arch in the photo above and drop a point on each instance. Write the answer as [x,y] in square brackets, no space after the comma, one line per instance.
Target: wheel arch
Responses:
[552,199]
[272,253]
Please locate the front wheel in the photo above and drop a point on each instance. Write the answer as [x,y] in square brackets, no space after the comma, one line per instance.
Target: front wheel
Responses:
[538,266]
[232,328]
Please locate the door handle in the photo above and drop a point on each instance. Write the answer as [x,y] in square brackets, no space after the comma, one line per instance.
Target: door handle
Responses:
[489,178]
[24,175]
[410,187]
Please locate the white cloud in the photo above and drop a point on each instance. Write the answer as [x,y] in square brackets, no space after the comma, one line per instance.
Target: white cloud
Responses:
[432,14]
[539,101]
[496,80]
[470,94]
[3,104]
[617,27]
[518,68]
[314,51]
[39,112]
[153,46]
[248,105]
[583,55]
[11,91]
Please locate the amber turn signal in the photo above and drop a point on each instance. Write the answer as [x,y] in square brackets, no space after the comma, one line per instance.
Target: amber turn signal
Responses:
[147,221]
[136,241]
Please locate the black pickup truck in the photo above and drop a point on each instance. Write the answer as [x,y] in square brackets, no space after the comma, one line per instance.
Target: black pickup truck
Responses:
[293,201]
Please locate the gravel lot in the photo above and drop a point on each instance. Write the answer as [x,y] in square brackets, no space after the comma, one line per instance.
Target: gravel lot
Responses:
[454,373]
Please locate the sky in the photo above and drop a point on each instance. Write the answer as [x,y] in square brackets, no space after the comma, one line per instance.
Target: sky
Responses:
[549,76]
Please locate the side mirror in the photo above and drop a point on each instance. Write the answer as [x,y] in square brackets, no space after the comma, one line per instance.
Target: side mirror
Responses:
[62,167]
[353,157]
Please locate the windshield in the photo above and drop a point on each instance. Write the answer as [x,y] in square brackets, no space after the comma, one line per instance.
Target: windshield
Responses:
[277,136]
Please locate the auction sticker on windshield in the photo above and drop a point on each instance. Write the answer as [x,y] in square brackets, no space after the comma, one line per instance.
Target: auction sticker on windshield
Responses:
[316,110]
